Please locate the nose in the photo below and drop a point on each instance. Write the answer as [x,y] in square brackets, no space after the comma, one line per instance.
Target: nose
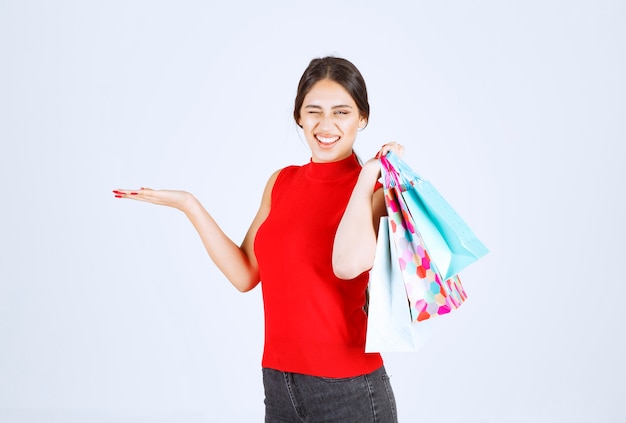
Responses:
[326,121]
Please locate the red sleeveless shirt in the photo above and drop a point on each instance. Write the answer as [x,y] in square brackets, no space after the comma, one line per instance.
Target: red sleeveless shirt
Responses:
[314,322]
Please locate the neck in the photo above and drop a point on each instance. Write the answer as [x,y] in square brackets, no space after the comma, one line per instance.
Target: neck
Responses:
[333,170]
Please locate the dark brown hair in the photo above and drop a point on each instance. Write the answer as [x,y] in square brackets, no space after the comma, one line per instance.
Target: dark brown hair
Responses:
[338,70]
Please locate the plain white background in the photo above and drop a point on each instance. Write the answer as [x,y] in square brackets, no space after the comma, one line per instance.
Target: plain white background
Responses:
[110,310]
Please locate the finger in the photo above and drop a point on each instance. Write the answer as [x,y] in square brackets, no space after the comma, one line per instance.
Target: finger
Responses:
[126,193]
[398,149]
[147,195]
[386,148]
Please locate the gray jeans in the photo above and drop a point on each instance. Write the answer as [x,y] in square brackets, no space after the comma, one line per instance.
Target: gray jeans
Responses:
[292,397]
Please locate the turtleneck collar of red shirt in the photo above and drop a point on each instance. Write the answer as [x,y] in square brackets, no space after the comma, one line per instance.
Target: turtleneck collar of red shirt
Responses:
[331,171]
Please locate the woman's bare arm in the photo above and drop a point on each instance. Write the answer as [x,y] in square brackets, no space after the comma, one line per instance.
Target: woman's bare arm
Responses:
[237,263]
[355,241]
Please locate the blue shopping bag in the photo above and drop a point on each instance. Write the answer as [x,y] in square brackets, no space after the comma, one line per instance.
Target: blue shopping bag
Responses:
[450,242]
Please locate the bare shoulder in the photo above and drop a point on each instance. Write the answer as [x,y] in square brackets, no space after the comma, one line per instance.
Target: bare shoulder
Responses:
[272,180]
[269,186]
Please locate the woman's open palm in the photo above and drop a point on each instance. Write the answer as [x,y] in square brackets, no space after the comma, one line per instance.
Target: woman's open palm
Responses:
[170,198]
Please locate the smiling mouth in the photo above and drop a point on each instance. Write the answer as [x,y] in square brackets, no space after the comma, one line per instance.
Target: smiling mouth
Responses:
[327,141]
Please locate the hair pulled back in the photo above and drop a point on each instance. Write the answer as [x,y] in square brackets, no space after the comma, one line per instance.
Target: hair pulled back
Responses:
[336,69]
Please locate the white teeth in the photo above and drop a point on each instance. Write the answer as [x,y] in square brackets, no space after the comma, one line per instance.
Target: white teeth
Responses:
[326,140]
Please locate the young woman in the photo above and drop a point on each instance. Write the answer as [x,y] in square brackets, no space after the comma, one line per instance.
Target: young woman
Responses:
[311,245]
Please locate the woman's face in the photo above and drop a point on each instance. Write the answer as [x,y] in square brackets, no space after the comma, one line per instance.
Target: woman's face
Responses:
[330,120]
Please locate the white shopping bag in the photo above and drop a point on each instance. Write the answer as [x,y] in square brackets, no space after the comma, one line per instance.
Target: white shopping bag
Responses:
[389,327]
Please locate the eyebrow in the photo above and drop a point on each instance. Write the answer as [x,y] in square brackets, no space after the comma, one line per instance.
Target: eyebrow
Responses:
[339,106]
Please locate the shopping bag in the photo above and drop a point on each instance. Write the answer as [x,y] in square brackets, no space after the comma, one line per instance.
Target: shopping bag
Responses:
[428,293]
[389,323]
[451,244]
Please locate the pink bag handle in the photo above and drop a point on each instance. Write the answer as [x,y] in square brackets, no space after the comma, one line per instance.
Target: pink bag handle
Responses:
[389,171]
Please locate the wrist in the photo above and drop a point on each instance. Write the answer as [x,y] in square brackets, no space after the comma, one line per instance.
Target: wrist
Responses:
[188,203]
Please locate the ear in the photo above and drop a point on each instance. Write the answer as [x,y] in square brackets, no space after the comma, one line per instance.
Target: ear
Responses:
[362,122]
